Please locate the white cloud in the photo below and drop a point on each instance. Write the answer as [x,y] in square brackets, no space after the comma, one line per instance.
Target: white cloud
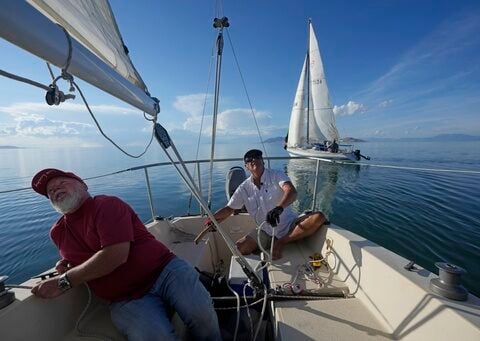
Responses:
[386,103]
[191,104]
[40,107]
[240,122]
[232,122]
[36,125]
[349,109]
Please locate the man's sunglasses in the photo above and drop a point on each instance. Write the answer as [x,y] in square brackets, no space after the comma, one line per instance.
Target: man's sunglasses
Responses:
[252,159]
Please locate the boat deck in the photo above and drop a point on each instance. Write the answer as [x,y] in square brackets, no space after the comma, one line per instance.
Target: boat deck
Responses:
[331,319]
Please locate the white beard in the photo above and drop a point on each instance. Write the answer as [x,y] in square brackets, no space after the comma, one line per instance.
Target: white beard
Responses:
[68,204]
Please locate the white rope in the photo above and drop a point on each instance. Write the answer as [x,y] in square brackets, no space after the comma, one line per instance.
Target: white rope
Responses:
[264,305]
[83,314]
[237,323]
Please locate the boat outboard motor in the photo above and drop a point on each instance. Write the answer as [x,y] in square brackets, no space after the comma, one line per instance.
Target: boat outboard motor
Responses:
[358,155]
[235,176]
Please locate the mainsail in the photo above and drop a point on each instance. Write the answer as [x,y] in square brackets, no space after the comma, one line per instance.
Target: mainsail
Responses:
[82,36]
[93,25]
[321,120]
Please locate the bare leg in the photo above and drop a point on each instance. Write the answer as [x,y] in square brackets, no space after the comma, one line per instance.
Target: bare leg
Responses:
[246,245]
[305,227]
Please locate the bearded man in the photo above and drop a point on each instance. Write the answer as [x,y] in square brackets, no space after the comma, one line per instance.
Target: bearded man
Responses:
[102,242]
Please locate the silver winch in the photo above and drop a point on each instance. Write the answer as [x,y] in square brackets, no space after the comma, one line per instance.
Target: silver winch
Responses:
[448,282]
[6,297]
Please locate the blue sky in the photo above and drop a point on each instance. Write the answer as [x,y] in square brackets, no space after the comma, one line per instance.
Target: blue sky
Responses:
[394,69]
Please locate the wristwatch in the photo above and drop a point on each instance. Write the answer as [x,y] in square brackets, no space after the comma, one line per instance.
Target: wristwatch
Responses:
[64,283]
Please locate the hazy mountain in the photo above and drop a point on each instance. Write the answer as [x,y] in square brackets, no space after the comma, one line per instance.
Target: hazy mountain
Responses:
[10,147]
[436,138]
[275,139]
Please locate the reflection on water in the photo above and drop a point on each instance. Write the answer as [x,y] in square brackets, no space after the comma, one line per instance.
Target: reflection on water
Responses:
[422,216]
[302,173]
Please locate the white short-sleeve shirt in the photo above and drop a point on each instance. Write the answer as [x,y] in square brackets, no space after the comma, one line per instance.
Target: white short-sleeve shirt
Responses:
[259,201]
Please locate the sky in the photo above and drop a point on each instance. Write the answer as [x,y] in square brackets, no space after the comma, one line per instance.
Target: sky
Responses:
[394,69]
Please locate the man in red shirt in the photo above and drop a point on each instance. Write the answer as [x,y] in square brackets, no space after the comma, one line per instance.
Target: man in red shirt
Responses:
[102,242]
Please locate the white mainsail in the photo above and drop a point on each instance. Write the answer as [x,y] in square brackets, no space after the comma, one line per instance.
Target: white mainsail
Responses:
[93,25]
[32,26]
[321,120]
[323,128]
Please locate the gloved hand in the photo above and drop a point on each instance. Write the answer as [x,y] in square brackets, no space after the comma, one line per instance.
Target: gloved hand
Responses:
[273,217]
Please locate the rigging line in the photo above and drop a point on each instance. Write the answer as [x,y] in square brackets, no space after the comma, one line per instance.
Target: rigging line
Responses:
[101,131]
[203,117]
[246,93]
[442,170]
[23,80]
[50,70]
[218,8]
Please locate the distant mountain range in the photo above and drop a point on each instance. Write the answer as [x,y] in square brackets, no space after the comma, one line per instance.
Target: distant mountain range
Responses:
[10,147]
[439,138]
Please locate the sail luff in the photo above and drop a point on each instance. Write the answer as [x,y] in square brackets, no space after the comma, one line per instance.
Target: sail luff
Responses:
[324,127]
[28,29]
[296,130]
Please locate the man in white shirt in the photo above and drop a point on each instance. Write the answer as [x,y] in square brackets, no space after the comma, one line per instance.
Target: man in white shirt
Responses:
[267,195]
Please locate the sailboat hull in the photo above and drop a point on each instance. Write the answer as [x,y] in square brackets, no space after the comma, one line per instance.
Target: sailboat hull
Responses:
[321,154]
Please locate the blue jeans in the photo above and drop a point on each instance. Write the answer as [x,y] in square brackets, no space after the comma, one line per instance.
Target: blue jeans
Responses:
[178,288]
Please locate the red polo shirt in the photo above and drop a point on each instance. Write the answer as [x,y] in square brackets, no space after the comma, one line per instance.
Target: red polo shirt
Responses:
[102,221]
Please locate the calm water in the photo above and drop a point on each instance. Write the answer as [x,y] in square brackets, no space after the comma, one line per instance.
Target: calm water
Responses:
[423,216]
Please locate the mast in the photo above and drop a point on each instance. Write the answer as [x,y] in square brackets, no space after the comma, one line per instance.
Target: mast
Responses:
[308,80]
[220,24]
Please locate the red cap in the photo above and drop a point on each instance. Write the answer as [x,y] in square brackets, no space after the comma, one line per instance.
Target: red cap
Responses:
[41,179]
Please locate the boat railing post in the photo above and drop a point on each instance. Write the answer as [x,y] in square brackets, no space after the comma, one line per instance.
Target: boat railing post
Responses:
[150,198]
[199,185]
[314,200]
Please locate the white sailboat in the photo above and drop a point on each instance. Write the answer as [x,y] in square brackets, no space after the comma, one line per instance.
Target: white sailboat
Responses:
[359,291]
[312,131]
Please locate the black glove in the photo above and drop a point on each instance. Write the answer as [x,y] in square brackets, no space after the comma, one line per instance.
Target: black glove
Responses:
[273,217]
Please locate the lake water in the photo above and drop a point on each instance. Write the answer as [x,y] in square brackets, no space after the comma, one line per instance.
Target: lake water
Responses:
[423,216]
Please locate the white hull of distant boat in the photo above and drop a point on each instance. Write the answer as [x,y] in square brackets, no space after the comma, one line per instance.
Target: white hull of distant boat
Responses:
[320,154]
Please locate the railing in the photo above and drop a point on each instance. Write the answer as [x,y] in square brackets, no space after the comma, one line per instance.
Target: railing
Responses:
[198,175]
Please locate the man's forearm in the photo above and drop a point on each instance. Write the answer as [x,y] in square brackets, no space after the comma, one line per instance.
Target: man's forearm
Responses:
[223,213]
[100,264]
[289,195]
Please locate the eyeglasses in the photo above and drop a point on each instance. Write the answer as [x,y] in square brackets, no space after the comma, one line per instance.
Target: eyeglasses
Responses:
[252,159]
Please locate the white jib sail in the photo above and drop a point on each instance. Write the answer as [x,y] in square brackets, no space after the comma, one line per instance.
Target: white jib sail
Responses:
[297,129]
[93,25]
[324,127]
